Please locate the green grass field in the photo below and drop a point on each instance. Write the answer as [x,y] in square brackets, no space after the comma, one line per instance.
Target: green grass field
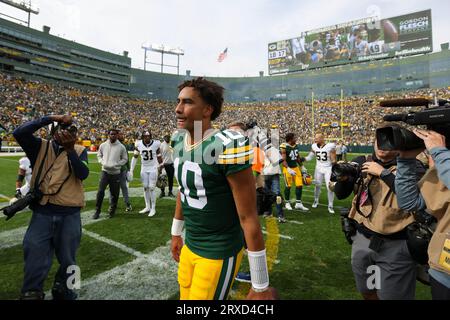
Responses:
[128,257]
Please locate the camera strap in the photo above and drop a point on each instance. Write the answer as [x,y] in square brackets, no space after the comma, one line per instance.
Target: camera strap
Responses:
[364,196]
[37,183]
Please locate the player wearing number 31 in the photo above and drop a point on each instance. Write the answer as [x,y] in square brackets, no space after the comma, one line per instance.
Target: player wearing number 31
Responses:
[216,201]
[151,164]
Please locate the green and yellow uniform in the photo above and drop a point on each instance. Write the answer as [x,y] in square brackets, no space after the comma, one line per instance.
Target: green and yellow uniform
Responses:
[214,244]
[292,155]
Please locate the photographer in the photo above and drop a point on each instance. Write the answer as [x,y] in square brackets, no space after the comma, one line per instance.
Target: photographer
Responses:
[431,192]
[376,226]
[55,225]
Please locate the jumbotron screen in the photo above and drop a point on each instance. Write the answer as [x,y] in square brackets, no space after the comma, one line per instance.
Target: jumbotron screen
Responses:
[355,41]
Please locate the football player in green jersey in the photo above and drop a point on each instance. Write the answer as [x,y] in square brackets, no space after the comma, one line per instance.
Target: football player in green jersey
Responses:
[216,200]
[292,161]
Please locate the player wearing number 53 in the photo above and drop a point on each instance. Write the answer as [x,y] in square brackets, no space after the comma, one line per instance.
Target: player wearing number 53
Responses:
[216,202]
[112,155]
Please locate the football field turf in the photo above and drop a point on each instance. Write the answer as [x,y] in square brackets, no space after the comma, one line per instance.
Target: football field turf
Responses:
[128,257]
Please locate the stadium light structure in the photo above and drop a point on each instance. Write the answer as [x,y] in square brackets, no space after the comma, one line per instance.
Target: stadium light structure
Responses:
[163,49]
[21,6]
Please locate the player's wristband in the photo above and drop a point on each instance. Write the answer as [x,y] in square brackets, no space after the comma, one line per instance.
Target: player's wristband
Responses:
[258,270]
[177,227]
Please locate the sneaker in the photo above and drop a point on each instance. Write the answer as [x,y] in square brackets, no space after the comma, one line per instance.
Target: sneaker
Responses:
[330,210]
[145,210]
[152,213]
[315,204]
[288,206]
[129,208]
[282,220]
[171,195]
[243,277]
[301,207]
[96,215]
[32,295]
[162,195]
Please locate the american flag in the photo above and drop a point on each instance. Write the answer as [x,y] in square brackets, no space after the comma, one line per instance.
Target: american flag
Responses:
[222,55]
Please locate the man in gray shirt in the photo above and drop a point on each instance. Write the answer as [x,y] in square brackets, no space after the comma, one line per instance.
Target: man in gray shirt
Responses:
[112,155]
[167,155]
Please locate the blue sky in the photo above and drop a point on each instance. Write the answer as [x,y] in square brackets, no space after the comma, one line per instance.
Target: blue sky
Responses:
[205,28]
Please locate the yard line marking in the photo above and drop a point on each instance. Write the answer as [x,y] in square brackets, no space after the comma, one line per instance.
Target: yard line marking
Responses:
[281,236]
[152,276]
[295,222]
[14,237]
[4,197]
[113,243]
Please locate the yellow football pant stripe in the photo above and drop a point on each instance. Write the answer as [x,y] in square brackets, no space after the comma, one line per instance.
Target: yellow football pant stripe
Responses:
[206,279]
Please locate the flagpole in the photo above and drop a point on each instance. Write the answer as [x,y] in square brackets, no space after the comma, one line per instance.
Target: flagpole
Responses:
[342,114]
[312,110]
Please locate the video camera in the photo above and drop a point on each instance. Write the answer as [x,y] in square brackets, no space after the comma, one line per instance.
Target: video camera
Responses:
[251,124]
[22,203]
[341,171]
[435,117]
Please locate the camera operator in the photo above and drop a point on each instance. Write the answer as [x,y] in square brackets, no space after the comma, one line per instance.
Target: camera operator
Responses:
[431,192]
[55,225]
[378,226]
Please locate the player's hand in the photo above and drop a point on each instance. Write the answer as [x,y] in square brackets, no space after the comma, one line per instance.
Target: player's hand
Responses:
[270,294]
[431,138]
[175,247]
[291,172]
[372,168]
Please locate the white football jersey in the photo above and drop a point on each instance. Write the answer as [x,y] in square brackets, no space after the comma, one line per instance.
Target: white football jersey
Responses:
[148,153]
[361,48]
[25,164]
[323,154]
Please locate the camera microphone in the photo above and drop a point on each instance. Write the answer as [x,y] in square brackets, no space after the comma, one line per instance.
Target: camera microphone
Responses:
[416,102]
[395,117]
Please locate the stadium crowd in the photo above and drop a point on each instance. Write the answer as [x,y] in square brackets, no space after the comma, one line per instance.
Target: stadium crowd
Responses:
[95,113]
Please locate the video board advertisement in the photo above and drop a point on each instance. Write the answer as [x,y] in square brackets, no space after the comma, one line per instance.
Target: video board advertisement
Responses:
[356,41]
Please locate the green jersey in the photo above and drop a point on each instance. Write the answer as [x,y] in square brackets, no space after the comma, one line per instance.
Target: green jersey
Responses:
[212,223]
[292,154]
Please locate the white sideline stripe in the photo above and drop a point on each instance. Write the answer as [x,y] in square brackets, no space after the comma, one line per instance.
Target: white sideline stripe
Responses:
[11,160]
[295,222]
[14,237]
[137,192]
[113,243]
